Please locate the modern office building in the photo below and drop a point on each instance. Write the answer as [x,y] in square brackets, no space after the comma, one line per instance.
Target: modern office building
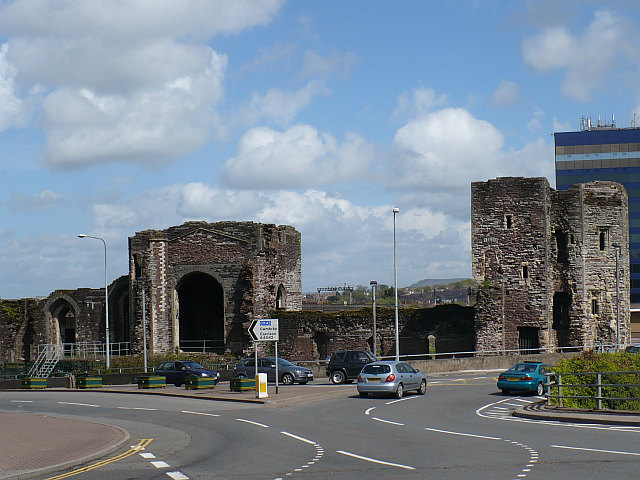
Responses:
[602,151]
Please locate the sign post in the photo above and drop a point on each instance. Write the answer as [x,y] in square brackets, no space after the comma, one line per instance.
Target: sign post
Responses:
[265,330]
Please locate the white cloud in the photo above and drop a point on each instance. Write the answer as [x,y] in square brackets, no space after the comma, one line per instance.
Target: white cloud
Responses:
[505,94]
[151,125]
[535,124]
[45,200]
[123,82]
[559,126]
[11,105]
[586,57]
[281,106]
[298,157]
[417,104]
[321,65]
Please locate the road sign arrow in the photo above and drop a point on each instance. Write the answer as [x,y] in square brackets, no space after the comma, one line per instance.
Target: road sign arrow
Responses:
[251,332]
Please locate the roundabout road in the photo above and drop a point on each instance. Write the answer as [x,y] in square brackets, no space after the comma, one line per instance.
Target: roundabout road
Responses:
[462,428]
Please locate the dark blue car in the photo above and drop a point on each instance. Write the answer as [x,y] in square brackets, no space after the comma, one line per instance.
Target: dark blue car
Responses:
[524,377]
[175,372]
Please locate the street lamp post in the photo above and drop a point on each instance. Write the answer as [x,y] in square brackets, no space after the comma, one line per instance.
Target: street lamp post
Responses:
[374,286]
[396,210]
[617,247]
[106,295]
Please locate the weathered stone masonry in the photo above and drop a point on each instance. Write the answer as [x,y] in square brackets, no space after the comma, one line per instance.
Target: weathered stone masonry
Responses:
[546,262]
[207,281]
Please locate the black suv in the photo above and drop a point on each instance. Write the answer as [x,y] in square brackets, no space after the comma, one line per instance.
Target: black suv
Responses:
[344,366]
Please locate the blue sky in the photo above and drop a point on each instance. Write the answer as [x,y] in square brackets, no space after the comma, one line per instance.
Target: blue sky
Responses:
[321,115]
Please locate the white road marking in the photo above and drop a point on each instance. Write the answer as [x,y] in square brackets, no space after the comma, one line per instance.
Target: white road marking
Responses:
[373,460]
[147,455]
[596,450]
[79,404]
[160,464]
[298,438]
[368,410]
[22,401]
[252,423]
[387,421]
[400,400]
[177,475]
[201,413]
[462,434]
[138,408]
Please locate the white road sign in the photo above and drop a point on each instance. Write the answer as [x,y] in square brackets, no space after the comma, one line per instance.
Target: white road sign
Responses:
[265,330]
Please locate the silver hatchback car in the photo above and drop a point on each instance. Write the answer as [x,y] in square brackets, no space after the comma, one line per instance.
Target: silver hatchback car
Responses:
[391,378]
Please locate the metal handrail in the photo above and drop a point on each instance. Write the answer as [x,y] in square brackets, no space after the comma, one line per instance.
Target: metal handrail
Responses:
[598,397]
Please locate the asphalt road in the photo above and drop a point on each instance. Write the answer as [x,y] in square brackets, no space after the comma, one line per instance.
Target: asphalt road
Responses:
[461,429]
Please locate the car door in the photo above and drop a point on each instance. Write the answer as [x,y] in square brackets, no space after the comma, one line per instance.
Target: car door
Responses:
[268,366]
[169,371]
[249,367]
[408,376]
[355,362]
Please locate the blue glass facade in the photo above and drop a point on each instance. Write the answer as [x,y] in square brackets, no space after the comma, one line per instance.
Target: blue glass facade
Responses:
[610,154]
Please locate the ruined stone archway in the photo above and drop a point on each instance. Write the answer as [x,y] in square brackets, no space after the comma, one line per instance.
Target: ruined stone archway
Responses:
[200,313]
[64,319]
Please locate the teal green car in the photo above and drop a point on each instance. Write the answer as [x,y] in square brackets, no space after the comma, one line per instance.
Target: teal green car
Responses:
[524,377]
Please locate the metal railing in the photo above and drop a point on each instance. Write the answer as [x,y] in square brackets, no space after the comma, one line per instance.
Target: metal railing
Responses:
[88,350]
[201,346]
[594,389]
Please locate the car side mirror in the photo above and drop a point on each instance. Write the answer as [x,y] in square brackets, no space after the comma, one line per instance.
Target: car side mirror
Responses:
[273,365]
[415,370]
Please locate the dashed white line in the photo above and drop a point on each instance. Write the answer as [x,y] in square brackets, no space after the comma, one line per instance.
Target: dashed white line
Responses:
[387,421]
[22,401]
[252,423]
[79,404]
[596,450]
[147,455]
[369,410]
[160,464]
[177,475]
[373,460]
[138,408]
[201,413]
[400,400]
[298,438]
[462,434]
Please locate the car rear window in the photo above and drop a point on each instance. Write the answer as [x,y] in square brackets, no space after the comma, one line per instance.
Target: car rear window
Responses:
[375,369]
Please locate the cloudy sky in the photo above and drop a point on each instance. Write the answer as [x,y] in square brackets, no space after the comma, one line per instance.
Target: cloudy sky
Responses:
[117,117]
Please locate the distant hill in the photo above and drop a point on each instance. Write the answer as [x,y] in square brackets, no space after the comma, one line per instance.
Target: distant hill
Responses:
[430,282]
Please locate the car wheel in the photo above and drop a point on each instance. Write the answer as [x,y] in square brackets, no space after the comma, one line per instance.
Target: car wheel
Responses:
[423,387]
[400,391]
[505,391]
[337,377]
[363,394]
[540,389]
[287,379]
[178,384]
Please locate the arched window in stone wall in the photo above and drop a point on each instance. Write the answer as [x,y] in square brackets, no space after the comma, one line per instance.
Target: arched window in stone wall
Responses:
[281,298]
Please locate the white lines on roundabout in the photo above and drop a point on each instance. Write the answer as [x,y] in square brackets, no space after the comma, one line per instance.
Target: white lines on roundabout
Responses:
[373,460]
[596,450]
[319,454]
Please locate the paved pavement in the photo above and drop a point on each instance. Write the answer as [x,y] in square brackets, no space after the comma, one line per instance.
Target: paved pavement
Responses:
[34,445]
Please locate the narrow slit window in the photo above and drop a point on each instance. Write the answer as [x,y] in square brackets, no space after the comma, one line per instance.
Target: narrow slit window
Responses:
[509,221]
[603,239]
[525,272]
[594,306]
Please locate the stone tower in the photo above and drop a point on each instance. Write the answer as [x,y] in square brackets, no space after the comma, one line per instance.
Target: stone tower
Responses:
[546,264]
[204,282]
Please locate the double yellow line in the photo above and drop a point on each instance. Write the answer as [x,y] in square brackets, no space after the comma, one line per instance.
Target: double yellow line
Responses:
[132,451]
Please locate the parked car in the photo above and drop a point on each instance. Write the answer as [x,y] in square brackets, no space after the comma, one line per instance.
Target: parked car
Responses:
[175,372]
[288,372]
[525,376]
[345,365]
[391,378]
[632,349]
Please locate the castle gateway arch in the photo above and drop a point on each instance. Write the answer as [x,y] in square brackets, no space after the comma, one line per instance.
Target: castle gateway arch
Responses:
[207,281]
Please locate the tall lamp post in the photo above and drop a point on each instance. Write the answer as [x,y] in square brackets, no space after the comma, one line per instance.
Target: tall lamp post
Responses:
[106,294]
[617,247]
[396,210]
[374,286]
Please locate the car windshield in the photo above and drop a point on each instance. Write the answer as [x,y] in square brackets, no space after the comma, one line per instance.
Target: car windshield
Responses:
[524,367]
[376,369]
[192,365]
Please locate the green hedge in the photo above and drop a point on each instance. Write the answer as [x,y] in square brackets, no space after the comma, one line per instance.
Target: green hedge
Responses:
[591,361]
